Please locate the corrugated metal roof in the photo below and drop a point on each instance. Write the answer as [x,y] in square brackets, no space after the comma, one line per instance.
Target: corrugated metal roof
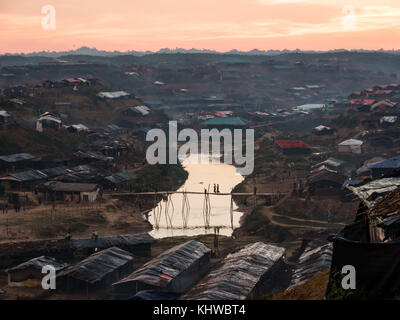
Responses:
[98,265]
[238,273]
[107,242]
[168,265]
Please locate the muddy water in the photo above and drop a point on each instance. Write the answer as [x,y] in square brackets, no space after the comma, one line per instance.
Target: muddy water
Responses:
[201,176]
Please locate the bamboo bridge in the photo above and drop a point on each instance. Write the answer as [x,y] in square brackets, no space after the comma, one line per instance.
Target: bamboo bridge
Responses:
[168,207]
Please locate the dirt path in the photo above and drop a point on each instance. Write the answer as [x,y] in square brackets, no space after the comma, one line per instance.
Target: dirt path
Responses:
[268,211]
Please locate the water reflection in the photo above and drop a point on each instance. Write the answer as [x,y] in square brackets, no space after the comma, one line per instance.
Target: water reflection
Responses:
[201,176]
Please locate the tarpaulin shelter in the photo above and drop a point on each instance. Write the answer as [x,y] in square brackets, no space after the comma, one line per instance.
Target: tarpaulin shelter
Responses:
[30,272]
[248,272]
[351,146]
[97,271]
[175,270]
[137,244]
[312,261]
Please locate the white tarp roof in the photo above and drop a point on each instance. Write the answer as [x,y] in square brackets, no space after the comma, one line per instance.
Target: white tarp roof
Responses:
[143,110]
[389,119]
[321,127]
[351,142]
[4,113]
[80,127]
[113,95]
[50,117]
[329,162]
[310,106]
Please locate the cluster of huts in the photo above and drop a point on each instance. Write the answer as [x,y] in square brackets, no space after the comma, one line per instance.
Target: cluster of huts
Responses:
[108,259]
[69,82]
[110,268]
[377,98]
[78,176]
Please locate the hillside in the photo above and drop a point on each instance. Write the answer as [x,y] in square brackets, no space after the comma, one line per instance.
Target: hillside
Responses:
[313,289]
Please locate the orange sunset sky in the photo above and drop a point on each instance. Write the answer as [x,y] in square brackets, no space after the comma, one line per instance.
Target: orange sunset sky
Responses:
[203,24]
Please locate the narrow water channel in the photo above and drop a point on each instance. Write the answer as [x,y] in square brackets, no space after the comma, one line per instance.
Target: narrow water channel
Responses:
[201,176]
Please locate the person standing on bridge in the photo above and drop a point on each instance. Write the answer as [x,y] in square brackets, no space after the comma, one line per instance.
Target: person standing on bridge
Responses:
[217,188]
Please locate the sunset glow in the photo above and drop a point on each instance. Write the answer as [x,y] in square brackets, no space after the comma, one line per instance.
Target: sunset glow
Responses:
[219,25]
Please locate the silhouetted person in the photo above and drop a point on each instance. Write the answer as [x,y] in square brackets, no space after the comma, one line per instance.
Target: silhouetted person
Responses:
[95,235]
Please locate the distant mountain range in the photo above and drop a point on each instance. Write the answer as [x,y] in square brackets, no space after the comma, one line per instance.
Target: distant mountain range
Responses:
[103,53]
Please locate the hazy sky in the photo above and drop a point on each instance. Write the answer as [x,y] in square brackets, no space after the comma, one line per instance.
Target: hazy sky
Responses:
[211,24]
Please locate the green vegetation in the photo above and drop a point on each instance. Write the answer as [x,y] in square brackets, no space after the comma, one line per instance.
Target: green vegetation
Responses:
[161,177]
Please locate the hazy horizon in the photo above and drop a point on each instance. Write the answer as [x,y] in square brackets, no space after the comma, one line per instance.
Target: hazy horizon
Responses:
[222,26]
[196,50]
